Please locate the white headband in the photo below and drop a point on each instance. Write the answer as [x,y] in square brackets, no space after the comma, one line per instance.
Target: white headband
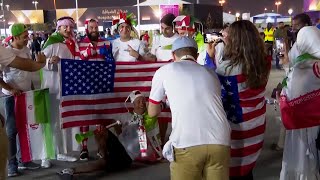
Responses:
[132,96]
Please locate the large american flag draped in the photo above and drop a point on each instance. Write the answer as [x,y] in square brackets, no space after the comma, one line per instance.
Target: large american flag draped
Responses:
[94,92]
[245,109]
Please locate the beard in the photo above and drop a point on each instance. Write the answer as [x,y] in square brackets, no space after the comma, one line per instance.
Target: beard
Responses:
[93,36]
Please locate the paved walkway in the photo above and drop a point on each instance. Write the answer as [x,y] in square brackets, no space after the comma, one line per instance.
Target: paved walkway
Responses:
[268,166]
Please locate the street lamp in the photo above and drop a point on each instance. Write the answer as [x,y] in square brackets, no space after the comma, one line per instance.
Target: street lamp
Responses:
[290,11]
[229,12]
[265,10]
[3,19]
[222,2]
[237,16]
[35,4]
[278,3]
[8,7]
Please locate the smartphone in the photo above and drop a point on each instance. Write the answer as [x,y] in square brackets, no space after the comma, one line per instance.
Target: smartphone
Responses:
[279,46]
[208,38]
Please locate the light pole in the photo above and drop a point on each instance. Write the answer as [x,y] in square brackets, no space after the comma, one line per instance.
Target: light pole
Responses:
[54,4]
[237,16]
[77,15]
[3,19]
[265,10]
[222,2]
[35,4]
[278,3]
[290,11]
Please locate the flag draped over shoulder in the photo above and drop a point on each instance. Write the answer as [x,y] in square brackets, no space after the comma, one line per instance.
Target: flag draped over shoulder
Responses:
[300,96]
[34,125]
[54,38]
[94,92]
[246,112]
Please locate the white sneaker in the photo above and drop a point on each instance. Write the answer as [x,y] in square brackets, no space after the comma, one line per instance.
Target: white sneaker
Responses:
[63,157]
[45,163]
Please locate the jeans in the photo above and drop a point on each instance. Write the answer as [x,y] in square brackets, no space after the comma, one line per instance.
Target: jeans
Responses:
[13,142]
[277,62]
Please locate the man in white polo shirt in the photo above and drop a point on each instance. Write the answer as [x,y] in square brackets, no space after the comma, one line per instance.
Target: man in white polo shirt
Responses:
[199,145]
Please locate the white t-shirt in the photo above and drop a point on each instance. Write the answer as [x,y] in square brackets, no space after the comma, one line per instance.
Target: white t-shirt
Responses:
[17,78]
[160,48]
[6,56]
[120,49]
[194,93]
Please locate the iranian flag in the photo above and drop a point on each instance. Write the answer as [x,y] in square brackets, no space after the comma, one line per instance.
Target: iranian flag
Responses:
[34,125]
[300,97]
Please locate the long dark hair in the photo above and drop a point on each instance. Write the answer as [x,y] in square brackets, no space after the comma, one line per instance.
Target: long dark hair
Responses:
[246,49]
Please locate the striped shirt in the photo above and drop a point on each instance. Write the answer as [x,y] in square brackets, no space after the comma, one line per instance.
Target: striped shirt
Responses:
[86,48]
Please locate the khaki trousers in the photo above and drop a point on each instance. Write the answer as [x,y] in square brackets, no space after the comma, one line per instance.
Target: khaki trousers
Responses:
[4,152]
[204,162]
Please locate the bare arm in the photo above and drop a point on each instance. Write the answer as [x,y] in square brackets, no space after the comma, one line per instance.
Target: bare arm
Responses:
[148,57]
[7,87]
[28,64]
[154,109]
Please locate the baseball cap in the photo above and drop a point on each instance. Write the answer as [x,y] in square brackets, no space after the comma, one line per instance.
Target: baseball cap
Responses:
[17,29]
[184,42]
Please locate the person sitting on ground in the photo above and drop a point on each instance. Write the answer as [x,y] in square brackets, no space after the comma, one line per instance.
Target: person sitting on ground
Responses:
[118,153]
[114,156]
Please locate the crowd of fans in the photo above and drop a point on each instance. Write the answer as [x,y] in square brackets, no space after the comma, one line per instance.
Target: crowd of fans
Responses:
[216,92]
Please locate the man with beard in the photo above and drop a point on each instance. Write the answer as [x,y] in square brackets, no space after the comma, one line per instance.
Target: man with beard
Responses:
[92,48]
[60,45]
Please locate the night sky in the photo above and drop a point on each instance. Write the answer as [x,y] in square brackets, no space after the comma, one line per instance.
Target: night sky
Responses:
[257,6]
[252,6]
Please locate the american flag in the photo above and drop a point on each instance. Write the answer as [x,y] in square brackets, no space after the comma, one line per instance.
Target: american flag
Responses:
[93,92]
[246,112]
